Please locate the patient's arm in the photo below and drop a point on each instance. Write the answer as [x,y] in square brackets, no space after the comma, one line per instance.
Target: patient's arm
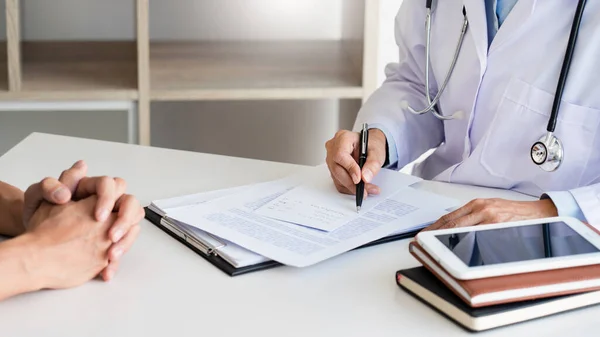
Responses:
[63,247]
[16,258]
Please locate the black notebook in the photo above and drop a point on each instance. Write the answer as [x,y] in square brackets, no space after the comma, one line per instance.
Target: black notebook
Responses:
[226,264]
[423,285]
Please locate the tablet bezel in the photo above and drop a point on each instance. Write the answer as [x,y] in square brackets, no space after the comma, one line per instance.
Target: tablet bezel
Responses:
[458,269]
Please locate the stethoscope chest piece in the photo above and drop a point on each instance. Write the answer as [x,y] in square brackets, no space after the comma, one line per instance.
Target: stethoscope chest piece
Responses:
[547,153]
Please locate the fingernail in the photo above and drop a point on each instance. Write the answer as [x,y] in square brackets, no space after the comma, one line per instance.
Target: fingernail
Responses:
[373,190]
[118,235]
[118,252]
[61,194]
[355,178]
[368,175]
[103,214]
[79,164]
[109,274]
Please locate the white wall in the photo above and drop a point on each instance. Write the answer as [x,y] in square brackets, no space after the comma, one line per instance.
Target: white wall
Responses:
[246,19]
[388,52]
[183,19]
[280,131]
[78,19]
[97,124]
[287,131]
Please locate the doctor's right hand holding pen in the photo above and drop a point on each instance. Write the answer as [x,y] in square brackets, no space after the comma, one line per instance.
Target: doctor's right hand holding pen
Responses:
[342,160]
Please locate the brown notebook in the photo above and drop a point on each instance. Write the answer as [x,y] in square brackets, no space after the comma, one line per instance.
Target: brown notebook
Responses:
[513,288]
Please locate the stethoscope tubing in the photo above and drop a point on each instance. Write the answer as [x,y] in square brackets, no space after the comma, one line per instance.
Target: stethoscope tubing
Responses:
[432,103]
[564,72]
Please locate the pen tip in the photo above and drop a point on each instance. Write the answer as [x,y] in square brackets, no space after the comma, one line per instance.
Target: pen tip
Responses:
[357,209]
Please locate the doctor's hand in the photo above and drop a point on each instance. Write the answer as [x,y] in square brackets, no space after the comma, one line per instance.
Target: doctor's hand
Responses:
[111,198]
[342,160]
[490,211]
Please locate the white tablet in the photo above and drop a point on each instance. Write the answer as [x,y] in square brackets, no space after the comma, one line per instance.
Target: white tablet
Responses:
[512,247]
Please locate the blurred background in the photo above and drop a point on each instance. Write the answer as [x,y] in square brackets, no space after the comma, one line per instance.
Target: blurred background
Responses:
[264,79]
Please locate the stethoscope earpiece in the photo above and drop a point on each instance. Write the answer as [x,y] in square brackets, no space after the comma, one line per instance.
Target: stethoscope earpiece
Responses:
[459,115]
[404,105]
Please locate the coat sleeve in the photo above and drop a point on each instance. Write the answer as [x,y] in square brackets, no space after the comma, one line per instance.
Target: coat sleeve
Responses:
[408,135]
[582,203]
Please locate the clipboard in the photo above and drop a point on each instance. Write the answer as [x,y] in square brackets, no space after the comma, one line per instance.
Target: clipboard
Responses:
[210,254]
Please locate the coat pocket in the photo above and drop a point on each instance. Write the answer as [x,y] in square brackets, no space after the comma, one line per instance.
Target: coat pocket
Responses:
[521,119]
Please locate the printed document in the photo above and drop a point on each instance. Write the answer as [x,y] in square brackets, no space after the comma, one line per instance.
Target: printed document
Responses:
[234,218]
[232,253]
[317,203]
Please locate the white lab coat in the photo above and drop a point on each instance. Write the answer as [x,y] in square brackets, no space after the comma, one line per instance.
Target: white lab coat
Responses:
[506,94]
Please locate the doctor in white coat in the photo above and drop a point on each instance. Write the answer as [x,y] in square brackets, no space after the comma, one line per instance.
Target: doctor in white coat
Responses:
[504,84]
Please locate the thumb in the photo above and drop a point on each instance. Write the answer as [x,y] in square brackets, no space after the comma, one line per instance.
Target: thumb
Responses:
[50,190]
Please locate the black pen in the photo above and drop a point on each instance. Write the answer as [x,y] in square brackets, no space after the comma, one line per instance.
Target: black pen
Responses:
[362,158]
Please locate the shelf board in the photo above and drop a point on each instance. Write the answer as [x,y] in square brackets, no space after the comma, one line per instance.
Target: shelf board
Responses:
[78,71]
[252,70]
[70,95]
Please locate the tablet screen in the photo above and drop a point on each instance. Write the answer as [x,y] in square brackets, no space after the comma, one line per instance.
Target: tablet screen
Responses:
[495,246]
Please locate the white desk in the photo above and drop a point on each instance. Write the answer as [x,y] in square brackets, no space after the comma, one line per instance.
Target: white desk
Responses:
[164,289]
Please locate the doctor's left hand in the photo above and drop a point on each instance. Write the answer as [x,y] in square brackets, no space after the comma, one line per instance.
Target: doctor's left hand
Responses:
[490,211]
[74,185]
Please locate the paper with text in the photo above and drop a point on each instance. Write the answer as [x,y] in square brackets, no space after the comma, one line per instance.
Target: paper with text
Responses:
[190,200]
[317,204]
[232,253]
[234,219]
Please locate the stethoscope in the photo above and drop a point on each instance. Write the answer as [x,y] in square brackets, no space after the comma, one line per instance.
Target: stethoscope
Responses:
[548,151]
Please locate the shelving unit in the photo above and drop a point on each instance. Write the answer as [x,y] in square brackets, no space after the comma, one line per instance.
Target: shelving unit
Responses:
[144,70]
[88,69]
[252,70]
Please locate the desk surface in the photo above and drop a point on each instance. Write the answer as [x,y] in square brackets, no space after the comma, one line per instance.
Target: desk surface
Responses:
[164,289]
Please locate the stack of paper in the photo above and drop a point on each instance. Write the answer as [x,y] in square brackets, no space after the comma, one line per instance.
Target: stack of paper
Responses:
[232,253]
[302,220]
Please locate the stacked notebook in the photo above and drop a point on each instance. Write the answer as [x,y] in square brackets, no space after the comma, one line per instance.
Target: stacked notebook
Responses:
[483,304]
[427,288]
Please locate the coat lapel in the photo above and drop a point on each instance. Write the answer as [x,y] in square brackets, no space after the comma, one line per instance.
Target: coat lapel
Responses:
[515,20]
[478,29]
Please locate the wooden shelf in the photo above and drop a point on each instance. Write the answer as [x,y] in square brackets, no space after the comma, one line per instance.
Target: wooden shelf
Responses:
[252,70]
[144,71]
[79,70]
